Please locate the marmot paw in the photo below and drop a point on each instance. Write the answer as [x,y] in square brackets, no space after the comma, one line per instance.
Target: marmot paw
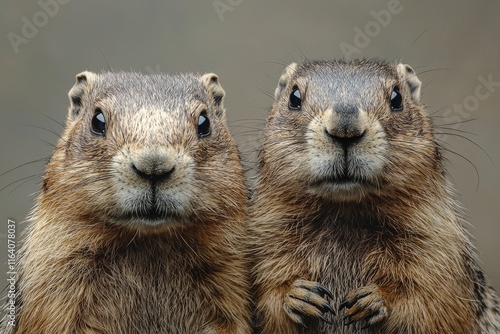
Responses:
[305,300]
[364,304]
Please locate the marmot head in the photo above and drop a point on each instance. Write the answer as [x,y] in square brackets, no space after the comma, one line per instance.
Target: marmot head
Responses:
[145,150]
[346,130]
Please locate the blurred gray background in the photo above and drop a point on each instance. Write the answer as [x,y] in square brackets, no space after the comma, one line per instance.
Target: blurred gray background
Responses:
[454,45]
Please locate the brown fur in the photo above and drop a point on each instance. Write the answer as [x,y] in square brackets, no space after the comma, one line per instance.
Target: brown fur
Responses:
[390,245]
[87,267]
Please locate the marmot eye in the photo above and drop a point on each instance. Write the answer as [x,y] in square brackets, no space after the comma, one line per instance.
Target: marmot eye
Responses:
[396,100]
[295,101]
[203,125]
[99,123]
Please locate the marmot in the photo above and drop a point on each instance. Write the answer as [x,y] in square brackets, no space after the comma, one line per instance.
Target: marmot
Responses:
[353,212]
[140,221]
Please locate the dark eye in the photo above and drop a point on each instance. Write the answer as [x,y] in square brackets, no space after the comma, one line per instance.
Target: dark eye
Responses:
[396,100]
[99,123]
[203,125]
[295,101]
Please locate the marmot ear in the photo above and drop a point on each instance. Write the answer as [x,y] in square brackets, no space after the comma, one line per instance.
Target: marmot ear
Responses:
[408,76]
[215,92]
[284,79]
[77,92]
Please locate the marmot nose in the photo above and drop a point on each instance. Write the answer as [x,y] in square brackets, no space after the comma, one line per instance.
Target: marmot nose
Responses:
[346,137]
[347,126]
[153,167]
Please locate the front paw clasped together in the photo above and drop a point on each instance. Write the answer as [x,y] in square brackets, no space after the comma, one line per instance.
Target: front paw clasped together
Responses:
[307,300]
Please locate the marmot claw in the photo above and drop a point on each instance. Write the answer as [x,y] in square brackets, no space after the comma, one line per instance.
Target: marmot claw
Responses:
[364,304]
[305,300]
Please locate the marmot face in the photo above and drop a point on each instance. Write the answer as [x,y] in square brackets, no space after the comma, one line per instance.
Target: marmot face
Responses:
[145,150]
[358,129]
